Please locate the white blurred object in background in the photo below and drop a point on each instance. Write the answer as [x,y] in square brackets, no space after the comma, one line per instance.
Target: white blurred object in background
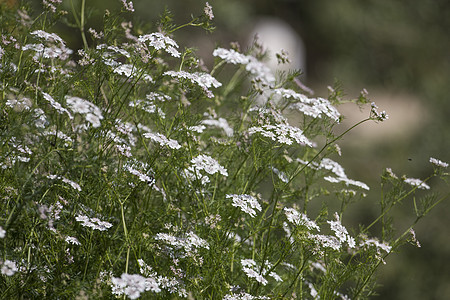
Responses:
[276,35]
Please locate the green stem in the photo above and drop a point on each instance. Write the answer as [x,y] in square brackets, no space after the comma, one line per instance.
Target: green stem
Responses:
[302,167]
[83,36]
[394,203]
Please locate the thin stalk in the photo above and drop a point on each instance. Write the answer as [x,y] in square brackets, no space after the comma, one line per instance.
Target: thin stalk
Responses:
[301,168]
[395,202]
[83,36]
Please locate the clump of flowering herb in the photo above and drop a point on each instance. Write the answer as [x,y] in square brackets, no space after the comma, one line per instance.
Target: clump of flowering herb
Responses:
[129,170]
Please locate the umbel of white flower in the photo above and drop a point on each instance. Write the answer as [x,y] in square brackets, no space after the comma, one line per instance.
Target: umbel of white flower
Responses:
[204,163]
[246,203]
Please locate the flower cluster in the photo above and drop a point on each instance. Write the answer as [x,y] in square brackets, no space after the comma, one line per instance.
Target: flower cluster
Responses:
[91,112]
[282,133]
[300,219]
[132,285]
[8,268]
[73,184]
[208,11]
[190,243]
[244,296]
[159,41]
[378,116]
[204,163]
[438,163]
[139,169]
[203,80]
[94,223]
[162,140]
[341,232]
[417,183]
[221,123]
[128,5]
[54,47]
[313,107]
[56,105]
[257,69]
[246,203]
[252,270]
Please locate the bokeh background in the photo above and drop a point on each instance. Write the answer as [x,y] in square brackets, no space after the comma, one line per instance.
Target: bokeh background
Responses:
[398,50]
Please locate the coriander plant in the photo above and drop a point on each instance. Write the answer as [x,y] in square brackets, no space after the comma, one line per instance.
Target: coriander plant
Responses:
[129,169]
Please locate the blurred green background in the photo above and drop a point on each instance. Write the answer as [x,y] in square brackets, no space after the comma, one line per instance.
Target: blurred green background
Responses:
[400,52]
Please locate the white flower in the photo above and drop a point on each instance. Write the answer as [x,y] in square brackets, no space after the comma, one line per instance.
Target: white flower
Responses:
[19,105]
[338,170]
[319,266]
[252,270]
[250,263]
[50,50]
[9,268]
[316,108]
[221,123]
[326,241]
[133,285]
[251,273]
[73,184]
[243,296]
[260,71]
[125,150]
[231,56]
[159,41]
[377,115]
[208,11]
[190,242]
[301,219]
[347,181]
[147,106]
[50,37]
[113,48]
[162,140]
[197,128]
[247,203]
[208,164]
[204,80]
[78,105]
[391,173]
[417,182]
[67,139]
[313,292]
[283,177]
[158,96]
[41,118]
[275,276]
[194,241]
[129,71]
[341,232]
[2,232]
[72,240]
[93,223]
[288,93]
[135,167]
[373,242]
[56,105]
[438,162]
[282,133]
[193,174]
[92,113]
[128,6]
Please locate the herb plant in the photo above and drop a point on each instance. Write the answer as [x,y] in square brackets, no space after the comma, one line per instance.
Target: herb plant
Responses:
[128,169]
